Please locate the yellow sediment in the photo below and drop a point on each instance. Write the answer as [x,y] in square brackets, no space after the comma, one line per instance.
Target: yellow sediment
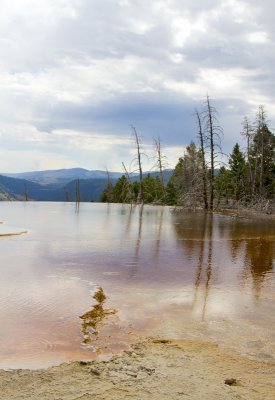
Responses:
[13,233]
[155,369]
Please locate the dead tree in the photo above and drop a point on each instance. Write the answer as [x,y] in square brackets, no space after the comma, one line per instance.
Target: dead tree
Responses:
[158,149]
[129,195]
[109,188]
[126,173]
[248,134]
[26,192]
[202,151]
[161,160]
[140,197]
[77,191]
[260,129]
[213,133]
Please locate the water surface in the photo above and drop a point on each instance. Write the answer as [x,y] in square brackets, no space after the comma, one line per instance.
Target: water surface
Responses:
[89,280]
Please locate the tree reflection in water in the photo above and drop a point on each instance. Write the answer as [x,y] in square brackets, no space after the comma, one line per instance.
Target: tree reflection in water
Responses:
[256,245]
[209,264]
[195,232]
[93,319]
[258,262]
[225,251]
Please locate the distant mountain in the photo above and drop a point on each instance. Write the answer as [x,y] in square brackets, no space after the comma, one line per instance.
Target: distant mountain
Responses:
[62,176]
[4,196]
[21,189]
[167,173]
[60,185]
[90,189]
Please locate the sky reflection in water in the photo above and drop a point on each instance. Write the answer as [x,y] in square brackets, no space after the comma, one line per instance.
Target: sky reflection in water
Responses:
[173,274]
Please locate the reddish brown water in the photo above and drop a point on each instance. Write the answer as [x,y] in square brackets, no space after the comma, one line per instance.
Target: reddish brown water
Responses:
[89,281]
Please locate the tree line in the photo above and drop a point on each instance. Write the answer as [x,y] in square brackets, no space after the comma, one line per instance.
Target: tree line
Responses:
[201,179]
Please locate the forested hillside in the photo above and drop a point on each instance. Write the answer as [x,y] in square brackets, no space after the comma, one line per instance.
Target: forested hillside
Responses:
[204,176]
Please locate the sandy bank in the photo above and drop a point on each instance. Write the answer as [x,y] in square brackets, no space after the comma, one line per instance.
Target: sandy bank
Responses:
[154,369]
[10,231]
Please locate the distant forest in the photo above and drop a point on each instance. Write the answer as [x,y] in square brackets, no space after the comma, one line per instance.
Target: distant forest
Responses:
[200,179]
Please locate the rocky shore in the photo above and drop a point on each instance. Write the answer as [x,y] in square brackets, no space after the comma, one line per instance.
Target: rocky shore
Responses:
[155,369]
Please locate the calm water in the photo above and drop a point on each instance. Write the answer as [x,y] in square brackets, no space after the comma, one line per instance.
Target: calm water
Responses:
[89,281]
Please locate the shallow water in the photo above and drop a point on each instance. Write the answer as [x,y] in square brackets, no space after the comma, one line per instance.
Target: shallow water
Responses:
[90,280]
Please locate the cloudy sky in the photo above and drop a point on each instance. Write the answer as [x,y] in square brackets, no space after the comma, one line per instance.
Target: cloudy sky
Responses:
[76,74]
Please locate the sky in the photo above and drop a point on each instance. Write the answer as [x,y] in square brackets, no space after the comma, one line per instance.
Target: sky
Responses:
[76,75]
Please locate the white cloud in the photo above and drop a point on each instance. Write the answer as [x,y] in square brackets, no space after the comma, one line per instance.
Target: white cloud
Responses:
[13,160]
[258,37]
[63,61]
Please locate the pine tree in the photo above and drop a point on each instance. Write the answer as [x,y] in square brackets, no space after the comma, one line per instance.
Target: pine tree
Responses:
[122,192]
[153,190]
[237,172]
[262,158]
[107,195]
[187,177]
[223,186]
[171,194]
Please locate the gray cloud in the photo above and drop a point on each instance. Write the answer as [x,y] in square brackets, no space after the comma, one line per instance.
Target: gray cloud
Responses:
[98,67]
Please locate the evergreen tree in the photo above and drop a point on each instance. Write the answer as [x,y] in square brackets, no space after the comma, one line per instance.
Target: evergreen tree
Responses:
[262,157]
[122,192]
[153,190]
[107,195]
[171,194]
[223,186]
[187,177]
[238,173]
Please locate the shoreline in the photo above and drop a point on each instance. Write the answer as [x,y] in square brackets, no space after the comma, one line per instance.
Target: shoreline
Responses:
[236,212]
[245,212]
[152,369]
[165,368]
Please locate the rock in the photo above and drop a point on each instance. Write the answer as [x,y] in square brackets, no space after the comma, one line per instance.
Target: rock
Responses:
[149,371]
[264,356]
[84,362]
[230,382]
[95,371]
[255,344]
[131,374]
[163,341]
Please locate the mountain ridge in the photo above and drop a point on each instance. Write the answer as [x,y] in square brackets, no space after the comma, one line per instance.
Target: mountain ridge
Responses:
[62,176]
[60,185]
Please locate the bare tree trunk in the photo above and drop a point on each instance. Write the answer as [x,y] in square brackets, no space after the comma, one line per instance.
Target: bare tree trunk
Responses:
[261,129]
[26,192]
[130,192]
[109,189]
[247,132]
[159,161]
[66,194]
[77,191]
[201,137]
[126,173]
[137,140]
[214,136]
[212,163]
